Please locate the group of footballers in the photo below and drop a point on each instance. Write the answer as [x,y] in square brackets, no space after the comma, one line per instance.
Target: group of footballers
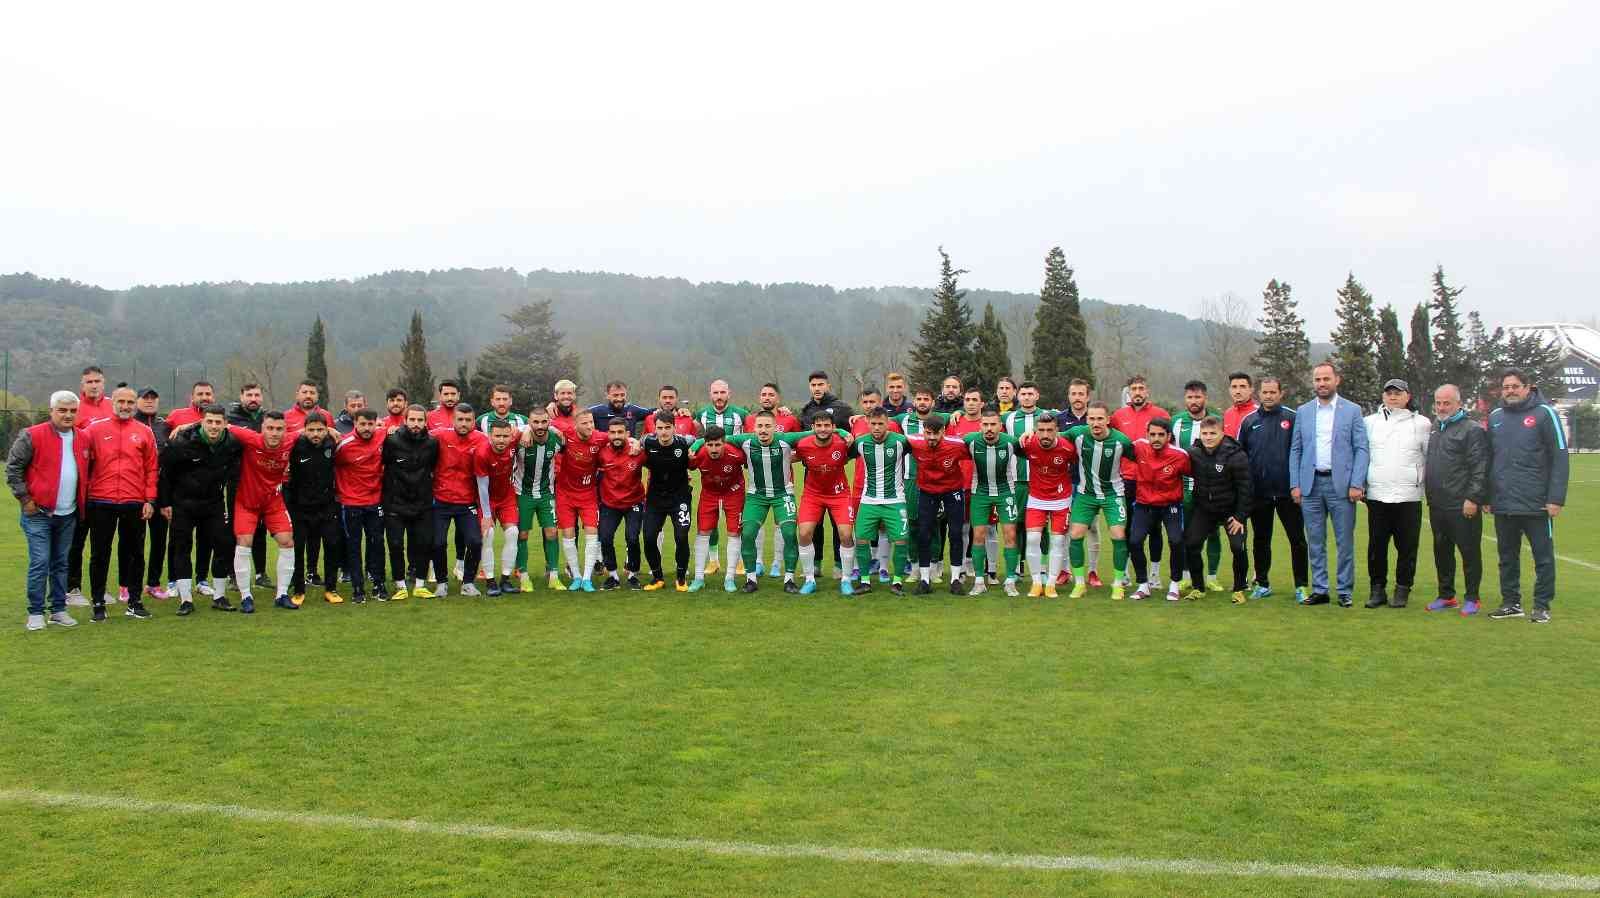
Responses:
[913,478]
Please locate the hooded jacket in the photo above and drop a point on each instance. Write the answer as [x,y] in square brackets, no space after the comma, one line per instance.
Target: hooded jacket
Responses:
[1458,463]
[408,463]
[239,417]
[1528,463]
[834,406]
[1398,442]
[1221,479]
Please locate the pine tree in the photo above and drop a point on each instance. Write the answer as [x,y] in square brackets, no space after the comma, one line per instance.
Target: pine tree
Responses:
[317,361]
[1485,352]
[529,359]
[1391,357]
[991,356]
[1541,360]
[1060,346]
[1283,351]
[944,345]
[1354,343]
[416,375]
[1419,355]
[1451,363]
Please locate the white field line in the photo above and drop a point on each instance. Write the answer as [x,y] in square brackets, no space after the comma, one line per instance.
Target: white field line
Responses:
[1525,550]
[928,857]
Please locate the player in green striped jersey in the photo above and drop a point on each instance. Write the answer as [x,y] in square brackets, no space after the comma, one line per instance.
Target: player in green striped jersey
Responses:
[1018,423]
[500,410]
[536,496]
[995,463]
[1186,433]
[910,422]
[769,488]
[1099,492]
[719,412]
[883,456]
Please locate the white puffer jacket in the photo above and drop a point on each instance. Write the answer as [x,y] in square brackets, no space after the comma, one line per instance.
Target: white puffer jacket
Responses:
[1399,446]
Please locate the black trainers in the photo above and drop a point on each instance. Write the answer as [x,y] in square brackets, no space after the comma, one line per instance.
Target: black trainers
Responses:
[1539,616]
[185,608]
[137,611]
[958,587]
[751,585]
[1506,611]
[221,603]
[923,588]
[359,598]
[99,613]
[263,582]
[492,587]
[1379,598]
[381,595]
[790,587]
[611,583]
[897,589]
[863,586]
[313,580]
[509,585]
[633,582]
[1317,598]
[1346,601]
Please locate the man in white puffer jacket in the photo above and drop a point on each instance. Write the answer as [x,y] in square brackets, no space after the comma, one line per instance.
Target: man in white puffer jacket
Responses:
[1399,444]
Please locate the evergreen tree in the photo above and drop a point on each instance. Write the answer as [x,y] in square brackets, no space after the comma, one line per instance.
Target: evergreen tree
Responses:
[1451,363]
[464,385]
[1419,355]
[1283,350]
[1540,360]
[1391,347]
[991,356]
[1485,352]
[944,345]
[1355,341]
[1060,346]
[416,375]
[317,361]
[529,359]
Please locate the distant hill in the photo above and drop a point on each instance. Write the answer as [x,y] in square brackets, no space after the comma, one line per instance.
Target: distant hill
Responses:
[642,330]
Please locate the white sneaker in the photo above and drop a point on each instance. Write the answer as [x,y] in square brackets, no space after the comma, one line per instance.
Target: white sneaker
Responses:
[1142,593]
[202,588]
[1174,592]
[468,589]
[35,622]
[109,599]
[1011,586]
[76,599]
[62,619]
[980,586]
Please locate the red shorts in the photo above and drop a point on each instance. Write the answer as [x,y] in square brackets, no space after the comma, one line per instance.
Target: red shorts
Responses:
[571,509]
[506,513]
[274,514]
[731,505]
[840,506]
[1037,518]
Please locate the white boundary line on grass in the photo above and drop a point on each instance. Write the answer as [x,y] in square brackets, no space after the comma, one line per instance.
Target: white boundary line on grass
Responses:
[1569,560]
[929,857]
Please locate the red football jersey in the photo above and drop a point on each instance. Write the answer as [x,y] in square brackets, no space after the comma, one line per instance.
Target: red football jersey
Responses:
[497,467]
[785,423]
[181,416]
[1049,469]
[453,481]
[825,465]
[261,470]
[723,476]
[392,422]
[1135,423]
[682,425]
[577,462]
[942,465]
[1159,475]
[959,426]
[441,418]
[358,469]
[622,487]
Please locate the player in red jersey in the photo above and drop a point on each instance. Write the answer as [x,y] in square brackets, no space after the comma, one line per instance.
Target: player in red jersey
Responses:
[305,405]
[262,468]
[942,460]
[497,502]
[577,503]
[667,404]
[358,487]
[1134,420]
[200,396]
[825,455]
[1050,460]
[721,468]
[455,498]
[443,416]
[394,402]
[621,501]
[1158,468]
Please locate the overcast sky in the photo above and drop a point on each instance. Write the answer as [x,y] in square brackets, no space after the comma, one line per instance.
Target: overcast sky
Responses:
[1174,150]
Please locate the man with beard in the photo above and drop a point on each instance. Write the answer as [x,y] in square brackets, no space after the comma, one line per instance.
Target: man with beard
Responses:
[992,504]
[122,490]
[497,502]
[949,399]
[1328,459]
[354,401]
[667,407]
[1186,433]
[1005,394]
[93,407]
[1528,470]
[200,396]
[263,465]
[667,498]
[358,480]
[721,468]
[621,501]
[394,402]
[769,400]
[825,456]
[941,492]
[443,416]
[310,495]
[455,498]
[409,456]
[1133,421]
[147,412]
[1160,469]
[617,407]
[563,409]
[1265,435]
[578,501]
[1100,492]
[540,444]
[1076,414]
[306,397]
[247,412]
[197,469]
[1018,423]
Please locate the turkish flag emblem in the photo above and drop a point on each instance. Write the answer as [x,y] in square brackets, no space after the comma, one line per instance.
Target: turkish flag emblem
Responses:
[1528,421]
[1284,424]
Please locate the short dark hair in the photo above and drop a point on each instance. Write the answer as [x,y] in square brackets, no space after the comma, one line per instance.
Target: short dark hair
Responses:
[451,384]
[933,423]
[821,415]
[1211,421]
[970,390]
[1241,375]
[878,412]
[415,407]
[93,369]
[214,409]
[772,386]
[1328,364]
[714,432]
[464,407]
[1270,378]
[612,385]
[318,419]
[1163,423]
[818,374]
[869,391]
[311,383]
[366,414]
[1006,379]
[249,385]
[990,411]
[1138,379]
[1045,418]
[1099,404]
[395,393]
[765,413]
[1518,373]
[1079,382]
[666,387]
[272,414]
[920,390]
[500,424]
[1027,384]
[1195,386]
[499,388]
[201,383]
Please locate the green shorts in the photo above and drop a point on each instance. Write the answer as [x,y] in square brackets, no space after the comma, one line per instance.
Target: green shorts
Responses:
[979,506]
[756,509]
[892,517]
[913,498]
[542,508]
[1084,509]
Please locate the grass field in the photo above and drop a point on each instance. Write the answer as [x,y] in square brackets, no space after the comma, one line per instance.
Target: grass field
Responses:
[1265,733]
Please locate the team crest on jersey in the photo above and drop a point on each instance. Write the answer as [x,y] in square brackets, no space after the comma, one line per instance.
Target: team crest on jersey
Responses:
[1060,460]
[327,453]
[1284,424]
[836,455]
[1528,421]
[1167,469]
[677,453]
[1219,471]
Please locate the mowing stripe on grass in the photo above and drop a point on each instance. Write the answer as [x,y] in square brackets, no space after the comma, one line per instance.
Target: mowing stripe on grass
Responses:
[932,857]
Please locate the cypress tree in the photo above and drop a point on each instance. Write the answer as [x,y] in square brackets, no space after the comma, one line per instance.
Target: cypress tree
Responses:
[529,359]
[944,344]
[1451,363]
[416,375]
[1284,351]
[1391,358]
[317,361]
[1354,343]
[991,354]
[1060,345]
[1419,355]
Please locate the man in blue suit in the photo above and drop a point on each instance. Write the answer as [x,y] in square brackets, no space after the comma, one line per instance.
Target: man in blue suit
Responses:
[1327,476]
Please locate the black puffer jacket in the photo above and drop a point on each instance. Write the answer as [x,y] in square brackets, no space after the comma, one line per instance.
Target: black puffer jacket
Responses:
[1457,468]
[1221,479]
[408,471]
[194,473]
[310,482]
[831,404]
[239,417]
[1527,457]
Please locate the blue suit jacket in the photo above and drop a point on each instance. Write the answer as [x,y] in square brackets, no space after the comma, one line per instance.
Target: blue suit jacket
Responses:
[1350,451]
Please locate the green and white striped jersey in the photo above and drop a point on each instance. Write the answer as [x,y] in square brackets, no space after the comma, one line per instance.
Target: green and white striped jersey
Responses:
[1186,433]
[730,419]
[1099,461]
[883,468]
[1019,423]
[538,468]
[519,423]
[771,467]
[911,425]
[994,468]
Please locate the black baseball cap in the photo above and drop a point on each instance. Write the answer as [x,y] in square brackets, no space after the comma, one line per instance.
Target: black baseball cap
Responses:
[148,391]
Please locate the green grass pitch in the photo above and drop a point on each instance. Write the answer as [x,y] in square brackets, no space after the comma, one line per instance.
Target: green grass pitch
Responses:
[1267,732]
